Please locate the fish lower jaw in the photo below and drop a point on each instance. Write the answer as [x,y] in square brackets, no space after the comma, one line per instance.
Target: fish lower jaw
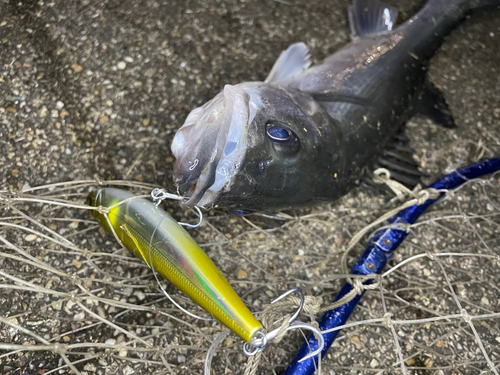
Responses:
[192,198]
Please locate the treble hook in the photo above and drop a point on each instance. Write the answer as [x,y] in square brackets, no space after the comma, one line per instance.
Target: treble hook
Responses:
[159,195]
[261,338]
[200,215]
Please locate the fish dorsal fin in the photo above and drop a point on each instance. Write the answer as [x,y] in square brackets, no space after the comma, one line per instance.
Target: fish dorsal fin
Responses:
[291,62]
[371,17]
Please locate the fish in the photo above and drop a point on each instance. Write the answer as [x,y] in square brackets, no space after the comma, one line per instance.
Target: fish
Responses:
[308,134]
[155,237]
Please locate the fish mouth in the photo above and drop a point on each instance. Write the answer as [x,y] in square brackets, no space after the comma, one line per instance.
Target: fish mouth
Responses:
[210,147]
[195,193]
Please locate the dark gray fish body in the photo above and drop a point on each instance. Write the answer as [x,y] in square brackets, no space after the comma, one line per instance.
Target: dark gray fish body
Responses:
[308,133]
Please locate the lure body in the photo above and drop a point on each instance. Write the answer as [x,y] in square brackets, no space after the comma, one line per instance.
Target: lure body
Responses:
[152,234]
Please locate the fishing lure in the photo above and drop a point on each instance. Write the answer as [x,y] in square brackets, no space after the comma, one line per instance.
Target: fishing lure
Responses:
[153,235]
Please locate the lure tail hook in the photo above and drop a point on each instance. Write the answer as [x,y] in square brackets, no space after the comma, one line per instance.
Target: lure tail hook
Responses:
[261,339]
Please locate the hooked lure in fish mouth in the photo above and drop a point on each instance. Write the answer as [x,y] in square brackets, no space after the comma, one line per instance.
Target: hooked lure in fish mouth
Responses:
[307,134]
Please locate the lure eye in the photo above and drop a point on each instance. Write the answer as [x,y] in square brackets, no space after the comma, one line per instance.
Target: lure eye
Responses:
[278,134]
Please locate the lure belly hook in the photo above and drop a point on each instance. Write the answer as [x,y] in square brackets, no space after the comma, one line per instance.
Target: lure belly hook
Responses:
[153,235]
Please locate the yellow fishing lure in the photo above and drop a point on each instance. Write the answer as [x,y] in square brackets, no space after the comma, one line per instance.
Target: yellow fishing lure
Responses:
[152,234]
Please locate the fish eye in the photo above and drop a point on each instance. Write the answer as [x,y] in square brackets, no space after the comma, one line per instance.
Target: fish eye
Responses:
[278,134]
[285,142]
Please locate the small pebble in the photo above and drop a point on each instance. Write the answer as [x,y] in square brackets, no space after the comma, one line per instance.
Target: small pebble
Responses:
[76,68]
[90,367]
[69,305]
[356,341]
[30,237]
[374,363]
[241,274]
[43,112]
[101,312]
[121,65]
[410,362]
[140,295]
[59,105]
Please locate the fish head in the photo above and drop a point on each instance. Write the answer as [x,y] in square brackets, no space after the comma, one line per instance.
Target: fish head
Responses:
[210,146]
[252,148]
[284,164]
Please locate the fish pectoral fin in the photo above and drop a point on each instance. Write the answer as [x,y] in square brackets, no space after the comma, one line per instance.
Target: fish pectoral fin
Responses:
[432,105]
[291,62]
[371,17]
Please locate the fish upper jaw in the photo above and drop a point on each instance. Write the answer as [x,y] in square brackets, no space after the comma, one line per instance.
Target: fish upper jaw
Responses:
[211,145]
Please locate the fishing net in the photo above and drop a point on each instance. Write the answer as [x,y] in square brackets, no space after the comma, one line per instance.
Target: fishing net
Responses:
[73,299]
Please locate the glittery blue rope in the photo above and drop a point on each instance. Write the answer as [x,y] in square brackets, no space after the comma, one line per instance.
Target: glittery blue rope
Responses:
[374,259]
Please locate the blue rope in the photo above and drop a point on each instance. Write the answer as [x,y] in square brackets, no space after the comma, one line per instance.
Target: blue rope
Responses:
[374,259]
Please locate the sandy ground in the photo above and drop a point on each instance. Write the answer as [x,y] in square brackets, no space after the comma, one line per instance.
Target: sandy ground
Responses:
[97,89]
